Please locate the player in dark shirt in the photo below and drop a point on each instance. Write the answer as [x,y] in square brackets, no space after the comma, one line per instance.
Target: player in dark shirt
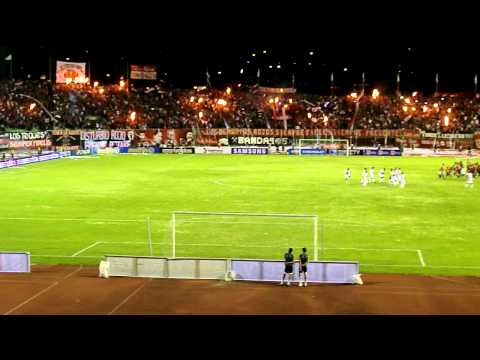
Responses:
[303,268]
[288,267]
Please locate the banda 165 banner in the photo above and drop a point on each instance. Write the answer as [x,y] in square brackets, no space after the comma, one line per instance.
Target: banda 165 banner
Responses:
[257,140]
[70,70]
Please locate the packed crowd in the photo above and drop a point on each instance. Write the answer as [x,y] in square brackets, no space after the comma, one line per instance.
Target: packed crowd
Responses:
[121,106]
[459,169]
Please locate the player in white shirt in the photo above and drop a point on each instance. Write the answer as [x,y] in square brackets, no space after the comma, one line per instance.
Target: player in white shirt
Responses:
[469,183]
[401,179]
[381,174]
[392,178]
[397,176]
[372,174]
[364,180]
[347,175]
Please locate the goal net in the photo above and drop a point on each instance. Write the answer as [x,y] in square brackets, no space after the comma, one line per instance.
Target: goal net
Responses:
[319,146]
[243,235]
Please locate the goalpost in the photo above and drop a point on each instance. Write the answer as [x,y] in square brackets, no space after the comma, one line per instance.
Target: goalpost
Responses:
[329,145]
[236,233]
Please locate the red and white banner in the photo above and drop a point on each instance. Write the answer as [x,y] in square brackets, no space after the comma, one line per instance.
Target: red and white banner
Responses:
[306,133]
[70,72]
[271,90]
[143,72]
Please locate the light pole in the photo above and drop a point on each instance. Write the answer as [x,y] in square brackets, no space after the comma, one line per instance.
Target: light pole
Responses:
[39,103]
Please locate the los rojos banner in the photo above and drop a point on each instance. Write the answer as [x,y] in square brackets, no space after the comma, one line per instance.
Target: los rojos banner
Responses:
[28,140]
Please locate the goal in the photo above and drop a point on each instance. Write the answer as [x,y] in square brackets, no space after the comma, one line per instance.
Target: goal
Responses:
[320,146]
[243,235]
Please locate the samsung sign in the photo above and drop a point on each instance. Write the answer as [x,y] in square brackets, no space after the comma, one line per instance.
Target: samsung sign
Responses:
[250,151]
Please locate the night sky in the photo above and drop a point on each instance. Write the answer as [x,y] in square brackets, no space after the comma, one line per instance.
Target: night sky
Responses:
[184,38]
[186,66]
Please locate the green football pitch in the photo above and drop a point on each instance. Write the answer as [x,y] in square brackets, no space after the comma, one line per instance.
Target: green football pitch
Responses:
[77,210]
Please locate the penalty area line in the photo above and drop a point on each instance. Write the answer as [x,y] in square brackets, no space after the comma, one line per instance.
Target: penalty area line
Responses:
[420,266]
[85,249]
[420,257]
[60,219]
[67,256]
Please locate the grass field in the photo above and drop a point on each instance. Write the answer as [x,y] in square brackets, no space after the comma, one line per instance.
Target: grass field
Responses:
[77,210]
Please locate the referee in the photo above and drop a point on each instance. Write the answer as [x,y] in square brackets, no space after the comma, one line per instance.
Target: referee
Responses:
[288,267]
[303,268]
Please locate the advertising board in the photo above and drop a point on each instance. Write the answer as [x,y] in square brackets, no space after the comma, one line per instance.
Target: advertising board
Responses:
[250,151]
[259,141]
[142,150]
[33,159]
[189,150]
[212,150]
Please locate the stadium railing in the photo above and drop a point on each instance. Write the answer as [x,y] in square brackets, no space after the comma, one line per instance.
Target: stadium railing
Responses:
[14,262]
[336,272]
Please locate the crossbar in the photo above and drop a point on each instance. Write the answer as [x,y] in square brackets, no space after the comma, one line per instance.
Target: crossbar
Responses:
[245,214]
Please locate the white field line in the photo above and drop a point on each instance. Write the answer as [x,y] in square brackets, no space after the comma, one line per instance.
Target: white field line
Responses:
[67,256]
[426,266]
[57,219]
[365,249]
[390,265]
[361,264]
[245,222]
[129,297]
[349,224]
[325,221]
[42,292]
[85,249]
[244,246]
[420,257]
[273,187]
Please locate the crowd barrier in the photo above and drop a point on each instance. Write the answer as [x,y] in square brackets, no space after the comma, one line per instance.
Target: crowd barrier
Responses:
[33,159]
[337,272]
[14,262]
[433,152]
[334,272]
[358,151]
